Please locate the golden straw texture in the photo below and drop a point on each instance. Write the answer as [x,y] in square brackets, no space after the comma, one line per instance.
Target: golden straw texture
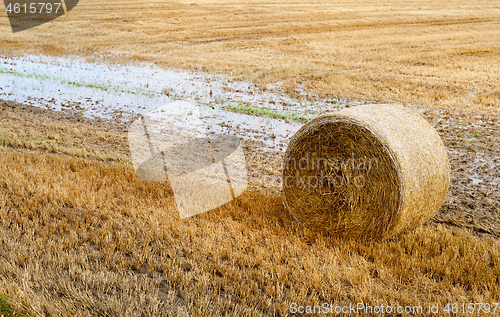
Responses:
[367,172]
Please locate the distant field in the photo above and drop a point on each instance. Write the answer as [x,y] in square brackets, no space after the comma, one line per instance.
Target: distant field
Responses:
[442,54]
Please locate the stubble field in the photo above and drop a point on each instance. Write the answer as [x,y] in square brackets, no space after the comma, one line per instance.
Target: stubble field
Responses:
[80,235]
[435,53]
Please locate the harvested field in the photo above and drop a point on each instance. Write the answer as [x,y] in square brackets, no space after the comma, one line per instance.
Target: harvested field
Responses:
[81,235]
[441,53]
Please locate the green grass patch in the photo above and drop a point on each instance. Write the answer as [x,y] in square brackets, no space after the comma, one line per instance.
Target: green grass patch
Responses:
[94,85]
[6,310]
[245,108]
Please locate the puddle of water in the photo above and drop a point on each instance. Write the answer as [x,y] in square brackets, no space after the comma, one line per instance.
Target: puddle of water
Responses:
[100,90]
[41,73]
[476,181]
[480,160]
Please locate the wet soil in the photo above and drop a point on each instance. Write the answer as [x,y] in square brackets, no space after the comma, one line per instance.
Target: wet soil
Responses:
[473,145]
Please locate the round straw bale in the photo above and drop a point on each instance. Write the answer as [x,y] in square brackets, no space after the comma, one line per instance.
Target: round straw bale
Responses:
[367,172]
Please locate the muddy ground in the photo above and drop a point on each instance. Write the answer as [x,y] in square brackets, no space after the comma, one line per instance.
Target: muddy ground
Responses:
[472,142]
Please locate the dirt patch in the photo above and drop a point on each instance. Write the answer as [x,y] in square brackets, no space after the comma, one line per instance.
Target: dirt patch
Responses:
[473,144]
[69,115]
